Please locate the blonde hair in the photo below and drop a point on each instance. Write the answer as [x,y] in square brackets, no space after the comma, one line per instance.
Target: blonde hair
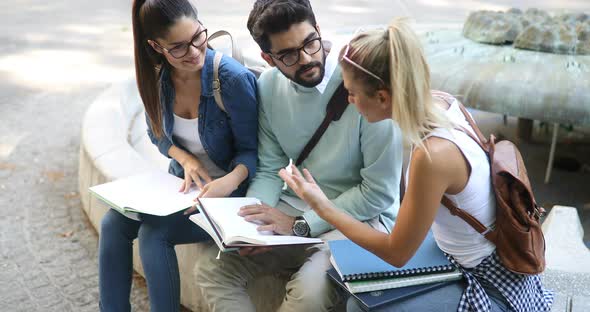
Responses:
[406,76]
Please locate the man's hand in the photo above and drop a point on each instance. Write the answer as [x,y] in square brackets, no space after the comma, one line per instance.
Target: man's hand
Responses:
[271,218]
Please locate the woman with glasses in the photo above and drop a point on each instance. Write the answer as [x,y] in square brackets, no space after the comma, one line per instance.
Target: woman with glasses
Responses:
[387,77]
[211,148]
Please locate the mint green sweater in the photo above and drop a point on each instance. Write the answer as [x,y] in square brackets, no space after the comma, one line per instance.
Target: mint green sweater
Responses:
[356,163]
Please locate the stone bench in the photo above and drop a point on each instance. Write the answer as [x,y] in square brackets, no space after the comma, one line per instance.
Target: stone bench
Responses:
[114,144]
[568,260]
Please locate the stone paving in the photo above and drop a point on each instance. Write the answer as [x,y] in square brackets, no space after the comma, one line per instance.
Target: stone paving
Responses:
[56,57]
[47,248]
[51,67]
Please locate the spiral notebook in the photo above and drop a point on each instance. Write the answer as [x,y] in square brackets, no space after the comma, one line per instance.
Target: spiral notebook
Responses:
[354,264]
[401,282]
[373,299]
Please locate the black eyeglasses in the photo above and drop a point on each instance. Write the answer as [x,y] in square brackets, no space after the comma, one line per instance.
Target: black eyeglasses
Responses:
[181,50]
[291,57]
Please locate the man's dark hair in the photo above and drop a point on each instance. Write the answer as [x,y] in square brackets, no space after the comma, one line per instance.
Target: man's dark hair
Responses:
[274,16]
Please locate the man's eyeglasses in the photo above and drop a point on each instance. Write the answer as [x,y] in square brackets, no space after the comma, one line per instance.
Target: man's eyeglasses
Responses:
[353,63]
[181,50]
[291,57]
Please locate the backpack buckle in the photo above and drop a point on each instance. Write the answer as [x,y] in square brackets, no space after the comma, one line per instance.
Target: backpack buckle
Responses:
[538,212]
[216,85]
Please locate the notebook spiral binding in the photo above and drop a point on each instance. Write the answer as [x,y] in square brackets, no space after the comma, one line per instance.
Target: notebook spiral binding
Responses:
[398,273]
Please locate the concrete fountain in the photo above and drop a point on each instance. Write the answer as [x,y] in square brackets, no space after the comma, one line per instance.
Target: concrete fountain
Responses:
[531,65]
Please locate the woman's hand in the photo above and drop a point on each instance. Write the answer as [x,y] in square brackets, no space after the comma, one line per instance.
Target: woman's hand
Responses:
[193,172]
[223,186]
[307,189]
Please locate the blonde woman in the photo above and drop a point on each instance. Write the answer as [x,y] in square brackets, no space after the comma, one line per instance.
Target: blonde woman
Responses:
[387,77]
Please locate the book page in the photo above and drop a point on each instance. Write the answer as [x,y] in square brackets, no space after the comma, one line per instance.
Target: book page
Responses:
[201,221]
[154,193]
[224,212]
[271,240]
[237,231]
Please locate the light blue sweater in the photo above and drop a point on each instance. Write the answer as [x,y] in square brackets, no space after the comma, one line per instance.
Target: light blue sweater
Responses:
[356,163]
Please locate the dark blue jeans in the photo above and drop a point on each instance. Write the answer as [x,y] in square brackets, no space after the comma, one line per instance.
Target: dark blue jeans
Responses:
[157,238]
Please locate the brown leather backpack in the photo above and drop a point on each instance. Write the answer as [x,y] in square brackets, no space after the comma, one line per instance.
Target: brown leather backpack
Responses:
[518,237]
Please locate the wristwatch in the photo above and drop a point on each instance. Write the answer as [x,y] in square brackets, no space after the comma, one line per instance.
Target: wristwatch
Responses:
[300,227]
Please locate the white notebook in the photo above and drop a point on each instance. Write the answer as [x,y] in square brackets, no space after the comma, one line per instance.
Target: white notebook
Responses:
[154,193]
[396,282]
[219,217]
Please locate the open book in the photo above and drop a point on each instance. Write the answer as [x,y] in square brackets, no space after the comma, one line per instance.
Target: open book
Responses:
[154,193]
[219,217]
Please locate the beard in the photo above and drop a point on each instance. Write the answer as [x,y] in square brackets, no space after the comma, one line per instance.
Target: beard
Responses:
[298,76]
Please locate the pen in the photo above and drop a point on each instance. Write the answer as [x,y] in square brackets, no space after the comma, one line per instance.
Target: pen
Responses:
[290,171]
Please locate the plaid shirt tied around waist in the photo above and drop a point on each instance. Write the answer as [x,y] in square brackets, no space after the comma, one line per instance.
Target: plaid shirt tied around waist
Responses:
[523,292]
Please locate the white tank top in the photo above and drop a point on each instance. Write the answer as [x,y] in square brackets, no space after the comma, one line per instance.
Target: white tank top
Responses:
[186,132]
[453,235]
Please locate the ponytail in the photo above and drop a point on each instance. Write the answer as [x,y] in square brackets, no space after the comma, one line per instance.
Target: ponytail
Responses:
[146,63]
[152,19]
[407,76]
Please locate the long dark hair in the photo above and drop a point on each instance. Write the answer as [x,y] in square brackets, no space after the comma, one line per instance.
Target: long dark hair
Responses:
[152,19]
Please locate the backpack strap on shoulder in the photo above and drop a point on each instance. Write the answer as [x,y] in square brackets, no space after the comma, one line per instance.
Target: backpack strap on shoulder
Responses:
[235,50]
[473,222]
[473,125]
[480,139]
[488,233]
[216,82]
[484,147]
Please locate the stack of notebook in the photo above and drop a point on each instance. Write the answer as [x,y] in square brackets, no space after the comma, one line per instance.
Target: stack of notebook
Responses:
[373,299]
[360,272]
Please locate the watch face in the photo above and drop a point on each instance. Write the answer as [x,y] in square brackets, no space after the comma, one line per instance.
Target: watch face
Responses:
[300,228]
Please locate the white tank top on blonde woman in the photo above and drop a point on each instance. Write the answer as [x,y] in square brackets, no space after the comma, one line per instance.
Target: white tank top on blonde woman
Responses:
[453,235]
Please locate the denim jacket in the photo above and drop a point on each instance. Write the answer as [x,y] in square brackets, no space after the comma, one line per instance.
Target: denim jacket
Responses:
[228,138]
